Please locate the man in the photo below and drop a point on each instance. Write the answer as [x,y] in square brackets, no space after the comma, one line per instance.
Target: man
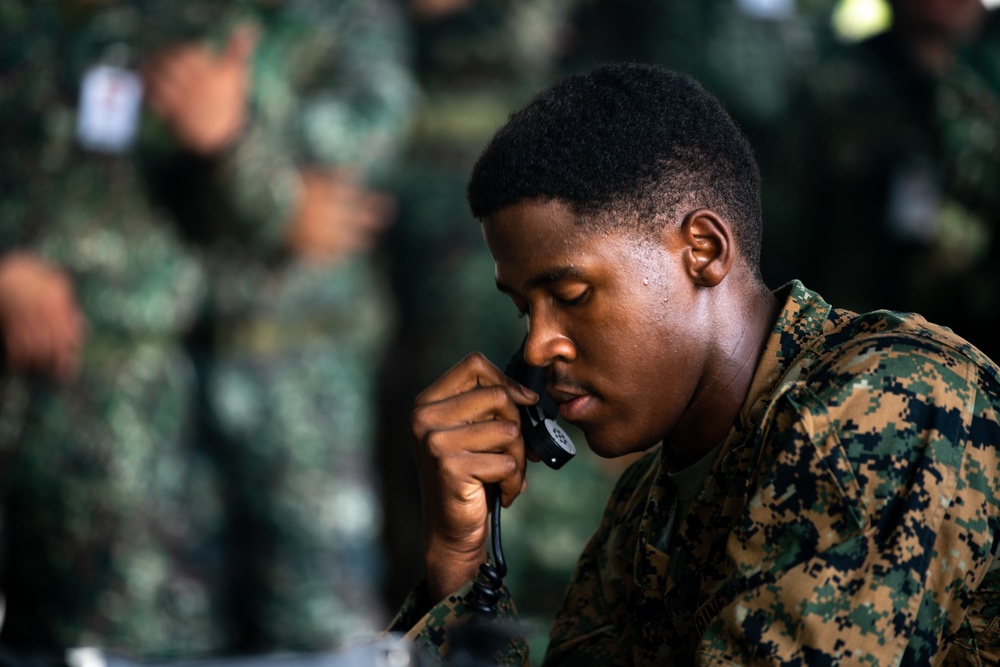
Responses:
[289,347]
[820,487]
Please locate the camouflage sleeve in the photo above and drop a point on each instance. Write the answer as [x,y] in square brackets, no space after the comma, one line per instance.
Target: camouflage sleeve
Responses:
[332,87]
[872,518]
[256,185]
[434,627]
[586,631]
[362,114]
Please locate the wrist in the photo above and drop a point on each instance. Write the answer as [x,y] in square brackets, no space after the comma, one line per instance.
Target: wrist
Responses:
[447,569]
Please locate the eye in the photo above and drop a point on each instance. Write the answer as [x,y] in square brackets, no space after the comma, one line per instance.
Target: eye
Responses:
[572,297]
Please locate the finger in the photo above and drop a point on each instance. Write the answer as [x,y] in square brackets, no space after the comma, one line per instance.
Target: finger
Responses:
[174,66]
[490,404]
[242,43]
[506,471]
[17,345]
[474,371]
[68,347]
[470,438]
[491,452]
[382,207]
[37,345]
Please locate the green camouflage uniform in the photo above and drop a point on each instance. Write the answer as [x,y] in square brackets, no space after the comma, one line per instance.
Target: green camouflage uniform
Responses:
[104,505]
[894,172]
[113,539]
[289,350]
[850,517]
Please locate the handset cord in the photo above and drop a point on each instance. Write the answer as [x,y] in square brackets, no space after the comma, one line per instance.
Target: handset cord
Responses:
[486,589]
[479,642]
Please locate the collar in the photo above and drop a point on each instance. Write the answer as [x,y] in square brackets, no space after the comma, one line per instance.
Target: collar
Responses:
[801,321]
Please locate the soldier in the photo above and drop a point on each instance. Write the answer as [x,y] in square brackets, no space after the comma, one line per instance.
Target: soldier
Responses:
[251,107]
[290,345]
[893,151]
[104,504]
[819,486]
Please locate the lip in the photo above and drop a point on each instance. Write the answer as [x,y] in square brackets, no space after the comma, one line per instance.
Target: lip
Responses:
[572,406]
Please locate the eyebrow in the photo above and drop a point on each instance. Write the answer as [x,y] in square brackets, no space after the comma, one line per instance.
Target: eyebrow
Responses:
[554,275]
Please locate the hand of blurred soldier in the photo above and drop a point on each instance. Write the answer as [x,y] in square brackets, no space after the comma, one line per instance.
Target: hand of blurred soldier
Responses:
[467,429]
[202,94]
[40,324]
[337,217]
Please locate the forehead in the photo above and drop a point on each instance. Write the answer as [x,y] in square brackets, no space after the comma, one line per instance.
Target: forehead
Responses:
[537,238]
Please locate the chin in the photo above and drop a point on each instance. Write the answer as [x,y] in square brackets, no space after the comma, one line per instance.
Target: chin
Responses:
[609,446]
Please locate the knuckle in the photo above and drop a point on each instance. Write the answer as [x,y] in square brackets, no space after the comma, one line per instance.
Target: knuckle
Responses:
[435,443]
[509,430]
[509,466]
[499,395]
[418,420]
[477,360]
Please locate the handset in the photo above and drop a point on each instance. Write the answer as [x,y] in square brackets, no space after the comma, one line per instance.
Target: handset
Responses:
[551,444]
[541,433]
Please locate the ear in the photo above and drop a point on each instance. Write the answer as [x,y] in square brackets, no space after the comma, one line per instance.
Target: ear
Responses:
[709,248]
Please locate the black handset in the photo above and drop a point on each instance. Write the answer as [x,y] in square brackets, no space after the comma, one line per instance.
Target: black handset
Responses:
[477,642]
[538,422]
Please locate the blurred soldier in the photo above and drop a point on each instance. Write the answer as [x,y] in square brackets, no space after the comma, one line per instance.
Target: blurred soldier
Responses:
[103,502]
[291,344]
[901,136]
[102,513]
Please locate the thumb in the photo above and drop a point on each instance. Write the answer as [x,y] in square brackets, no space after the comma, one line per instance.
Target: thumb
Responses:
[242,43]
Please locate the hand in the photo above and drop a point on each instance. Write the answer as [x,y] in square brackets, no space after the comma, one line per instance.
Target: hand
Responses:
[200,94]
[468,435]
[336,217]
[40,323]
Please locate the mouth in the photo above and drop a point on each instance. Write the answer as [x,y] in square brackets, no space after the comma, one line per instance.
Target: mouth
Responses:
[573,405]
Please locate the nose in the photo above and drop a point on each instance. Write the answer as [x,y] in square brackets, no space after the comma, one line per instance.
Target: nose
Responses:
[547,343]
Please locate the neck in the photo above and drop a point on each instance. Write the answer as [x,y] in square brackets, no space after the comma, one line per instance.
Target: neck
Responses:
[747,318]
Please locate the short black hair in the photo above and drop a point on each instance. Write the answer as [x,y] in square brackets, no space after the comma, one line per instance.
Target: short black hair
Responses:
[629,140]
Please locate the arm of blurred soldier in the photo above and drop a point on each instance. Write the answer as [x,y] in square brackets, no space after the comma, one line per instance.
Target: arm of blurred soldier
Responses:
[41,325]
[276,178]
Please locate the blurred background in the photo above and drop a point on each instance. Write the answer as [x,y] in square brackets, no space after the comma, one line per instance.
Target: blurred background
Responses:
[234,247]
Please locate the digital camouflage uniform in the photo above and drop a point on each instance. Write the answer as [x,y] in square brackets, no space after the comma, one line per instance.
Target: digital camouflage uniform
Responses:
[474,67]
[289,350]
[850,517]
[893,172]
[103,503]
[114,541]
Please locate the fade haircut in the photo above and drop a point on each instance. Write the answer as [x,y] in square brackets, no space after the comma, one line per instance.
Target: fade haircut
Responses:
[624,144]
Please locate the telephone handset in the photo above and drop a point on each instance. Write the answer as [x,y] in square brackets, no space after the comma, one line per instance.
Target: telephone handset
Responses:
[479,640]
[541,433]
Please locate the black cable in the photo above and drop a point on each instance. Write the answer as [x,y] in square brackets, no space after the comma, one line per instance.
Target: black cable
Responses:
[486,589]
[480,641]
